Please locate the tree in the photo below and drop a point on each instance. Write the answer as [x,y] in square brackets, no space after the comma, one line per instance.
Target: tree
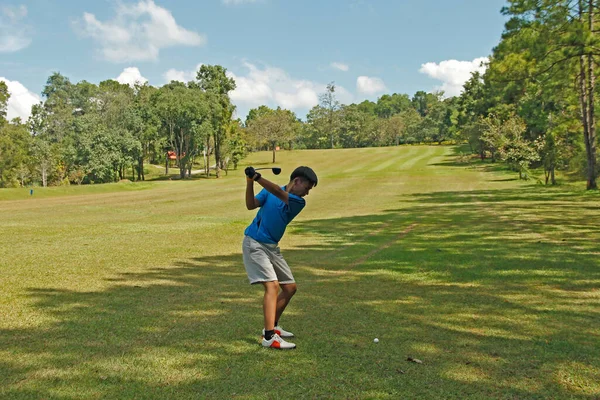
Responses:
[420,102]
[412,125]
[506,139]
[235,146]
[274,128]
[357,127]
[186,119]
[368,107]
[552,43]
[53,123]
[254,113]
[316,134]
[331,106]
[389,105]
[14,153]
[213,80]
[146,125]
[394,128]
[97,149]
[116,109]
[4,96]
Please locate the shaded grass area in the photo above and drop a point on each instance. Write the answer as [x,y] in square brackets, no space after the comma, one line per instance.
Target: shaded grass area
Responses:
[495,290]
[498,291]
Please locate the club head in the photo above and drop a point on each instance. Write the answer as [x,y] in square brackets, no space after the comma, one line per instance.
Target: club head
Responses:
[275,170]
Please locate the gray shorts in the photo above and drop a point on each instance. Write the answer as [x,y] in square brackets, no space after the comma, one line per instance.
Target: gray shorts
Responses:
[264,262]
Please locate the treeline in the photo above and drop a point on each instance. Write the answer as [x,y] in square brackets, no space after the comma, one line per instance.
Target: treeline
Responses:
[392,120]
[87,133]
[534,107]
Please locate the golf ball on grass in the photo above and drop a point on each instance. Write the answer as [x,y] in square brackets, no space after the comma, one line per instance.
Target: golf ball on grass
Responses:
[376,340]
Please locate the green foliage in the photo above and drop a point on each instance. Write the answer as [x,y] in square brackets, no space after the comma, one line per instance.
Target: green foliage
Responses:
[506,140]
[14,154]
[330,118]
[274,128]
[255,113]
[315,134]
[389,105]
[104,131]
[187,120]
[214,81]
[4,96]
[544,68]
[236,146]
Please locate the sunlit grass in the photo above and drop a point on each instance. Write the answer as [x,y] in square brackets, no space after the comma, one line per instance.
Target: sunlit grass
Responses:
[109,291]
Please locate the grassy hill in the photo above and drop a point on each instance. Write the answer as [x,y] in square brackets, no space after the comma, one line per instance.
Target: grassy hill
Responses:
[137,290]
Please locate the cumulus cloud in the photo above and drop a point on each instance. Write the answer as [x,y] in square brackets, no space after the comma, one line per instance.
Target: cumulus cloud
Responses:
[370,85]
[137,33]
[181,76]
[269,86]
[340,66]
[274,86]
[21,100]
[14,34]
[131,76]
[453,73]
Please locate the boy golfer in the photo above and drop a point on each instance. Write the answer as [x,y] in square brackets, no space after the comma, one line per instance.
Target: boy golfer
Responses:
[262,258]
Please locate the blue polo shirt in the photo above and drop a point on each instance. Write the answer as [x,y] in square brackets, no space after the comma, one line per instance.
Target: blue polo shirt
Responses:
[273,217]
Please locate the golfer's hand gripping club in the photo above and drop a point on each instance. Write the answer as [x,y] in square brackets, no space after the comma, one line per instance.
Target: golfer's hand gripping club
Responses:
[252,174]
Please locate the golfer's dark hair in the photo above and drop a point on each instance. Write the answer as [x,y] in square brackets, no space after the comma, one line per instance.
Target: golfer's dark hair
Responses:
[306,173]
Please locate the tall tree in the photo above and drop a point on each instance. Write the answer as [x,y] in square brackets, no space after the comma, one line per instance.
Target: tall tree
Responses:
[358,126]
[213,79]
[14,153]
[4,96]
[145,125]
[331,105]
[317,134]
[185,117]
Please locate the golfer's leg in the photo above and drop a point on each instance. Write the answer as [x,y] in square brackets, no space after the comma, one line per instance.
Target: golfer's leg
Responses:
[287,291]
[270,304]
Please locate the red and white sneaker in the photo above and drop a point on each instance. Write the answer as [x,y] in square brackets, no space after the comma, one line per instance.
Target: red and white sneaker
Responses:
[281,332]
[277,342]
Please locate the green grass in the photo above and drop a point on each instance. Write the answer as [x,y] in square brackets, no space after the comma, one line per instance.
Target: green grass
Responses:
[492,282]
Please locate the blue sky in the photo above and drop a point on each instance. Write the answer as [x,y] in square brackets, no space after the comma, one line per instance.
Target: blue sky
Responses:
[281,52]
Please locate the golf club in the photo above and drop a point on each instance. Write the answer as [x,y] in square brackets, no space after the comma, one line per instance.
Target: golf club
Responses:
[275,170]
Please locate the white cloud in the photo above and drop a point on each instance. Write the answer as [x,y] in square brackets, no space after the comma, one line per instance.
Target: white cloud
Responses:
[269,86]
[273,86]
[340,66]
[21,100]
[131,76]
[137,33]
[181,76]
[14,35]
[236,2]
[370,85]
[453,73]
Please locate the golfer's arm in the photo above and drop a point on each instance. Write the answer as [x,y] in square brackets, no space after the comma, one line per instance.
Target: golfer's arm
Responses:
[274,189]
[251,201]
